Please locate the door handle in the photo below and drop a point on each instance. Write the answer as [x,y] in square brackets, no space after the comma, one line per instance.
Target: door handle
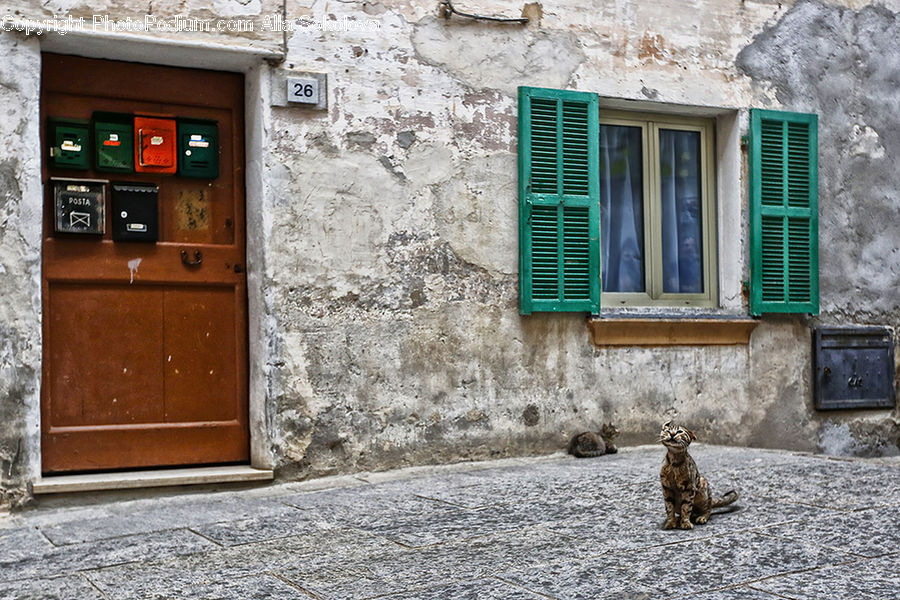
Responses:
[197,260]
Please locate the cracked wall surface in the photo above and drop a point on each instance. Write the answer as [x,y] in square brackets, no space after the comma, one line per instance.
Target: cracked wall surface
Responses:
[217,21]
[20,264]
[388,241]
[844,64]
[415,352]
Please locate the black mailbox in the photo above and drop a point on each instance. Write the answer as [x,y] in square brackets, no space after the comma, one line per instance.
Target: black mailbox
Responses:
[135,212]
[854,368]
[79,205]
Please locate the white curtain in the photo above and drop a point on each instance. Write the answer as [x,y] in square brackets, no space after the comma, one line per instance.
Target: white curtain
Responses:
[622,215]
[621,209]
[682,241]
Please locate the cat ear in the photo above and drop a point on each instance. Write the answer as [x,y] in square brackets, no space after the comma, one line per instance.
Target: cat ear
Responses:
[691,434]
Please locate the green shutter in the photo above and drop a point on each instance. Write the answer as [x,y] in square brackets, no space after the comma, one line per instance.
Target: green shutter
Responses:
[784,207]
[559,209]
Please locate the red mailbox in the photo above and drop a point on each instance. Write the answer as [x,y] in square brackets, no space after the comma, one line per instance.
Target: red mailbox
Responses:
[155,148]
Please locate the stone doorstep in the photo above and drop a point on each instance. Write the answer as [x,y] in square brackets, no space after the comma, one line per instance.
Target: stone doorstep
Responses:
[59,484]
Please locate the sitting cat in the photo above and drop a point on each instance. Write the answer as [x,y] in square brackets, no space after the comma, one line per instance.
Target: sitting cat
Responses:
[685,491]
[589,443]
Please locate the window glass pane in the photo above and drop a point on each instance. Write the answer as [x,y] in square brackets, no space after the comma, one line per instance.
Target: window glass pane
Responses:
[621,209]
[682,238]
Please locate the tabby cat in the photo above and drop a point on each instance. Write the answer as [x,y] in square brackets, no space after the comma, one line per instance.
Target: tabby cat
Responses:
[590,443]
[685,491]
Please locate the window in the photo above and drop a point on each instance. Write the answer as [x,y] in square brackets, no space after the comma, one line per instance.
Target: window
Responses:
[627,198]
[657,225]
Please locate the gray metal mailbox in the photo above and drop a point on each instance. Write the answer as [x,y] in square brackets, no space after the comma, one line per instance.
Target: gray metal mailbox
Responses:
[854,367]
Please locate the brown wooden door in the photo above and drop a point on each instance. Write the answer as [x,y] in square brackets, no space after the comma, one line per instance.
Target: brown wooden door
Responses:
[144,357]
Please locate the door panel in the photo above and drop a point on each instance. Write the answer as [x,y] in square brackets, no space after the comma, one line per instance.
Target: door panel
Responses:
[199,356]
[125,384]
[145,356]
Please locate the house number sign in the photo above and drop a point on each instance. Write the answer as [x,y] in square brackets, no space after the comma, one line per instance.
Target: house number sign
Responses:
[302,90]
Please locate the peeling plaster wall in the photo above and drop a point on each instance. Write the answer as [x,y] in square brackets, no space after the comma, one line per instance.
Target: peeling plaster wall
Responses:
[20,268]
[844,64]
[386,246]
[177,20]
[396,289]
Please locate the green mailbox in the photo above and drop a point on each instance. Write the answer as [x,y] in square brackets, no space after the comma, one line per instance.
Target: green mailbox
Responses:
[114,142]
[198,148]
[68,143]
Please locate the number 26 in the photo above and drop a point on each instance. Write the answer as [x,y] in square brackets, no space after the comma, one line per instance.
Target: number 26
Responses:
[303,89]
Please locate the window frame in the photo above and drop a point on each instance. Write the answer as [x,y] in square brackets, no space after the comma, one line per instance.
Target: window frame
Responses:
[653,296]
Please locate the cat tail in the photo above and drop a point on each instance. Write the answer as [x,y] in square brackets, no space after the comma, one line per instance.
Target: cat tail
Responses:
[726,499]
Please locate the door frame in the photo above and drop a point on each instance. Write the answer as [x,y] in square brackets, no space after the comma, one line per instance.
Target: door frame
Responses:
[253,63]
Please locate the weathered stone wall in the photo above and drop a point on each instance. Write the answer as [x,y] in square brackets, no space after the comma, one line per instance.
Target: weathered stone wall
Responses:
[844,64]
[210,21]
[396,279]
[387,250]
[20,267]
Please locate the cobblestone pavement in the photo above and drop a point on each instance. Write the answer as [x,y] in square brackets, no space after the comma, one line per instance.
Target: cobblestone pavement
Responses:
[807,527]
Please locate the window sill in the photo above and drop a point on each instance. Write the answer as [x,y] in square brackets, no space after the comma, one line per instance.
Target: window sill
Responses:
[671,330]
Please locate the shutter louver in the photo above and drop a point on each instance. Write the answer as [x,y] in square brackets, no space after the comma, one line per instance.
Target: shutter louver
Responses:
[576,250]
[559,225]
[543,146]
[784,213]
[575,149]
[544,252]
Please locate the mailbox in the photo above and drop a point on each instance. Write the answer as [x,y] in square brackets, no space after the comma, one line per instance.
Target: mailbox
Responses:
[198,148]
[154,148]
[113,142]
[135,212]
[68,143]
[79,205]
[854,368]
